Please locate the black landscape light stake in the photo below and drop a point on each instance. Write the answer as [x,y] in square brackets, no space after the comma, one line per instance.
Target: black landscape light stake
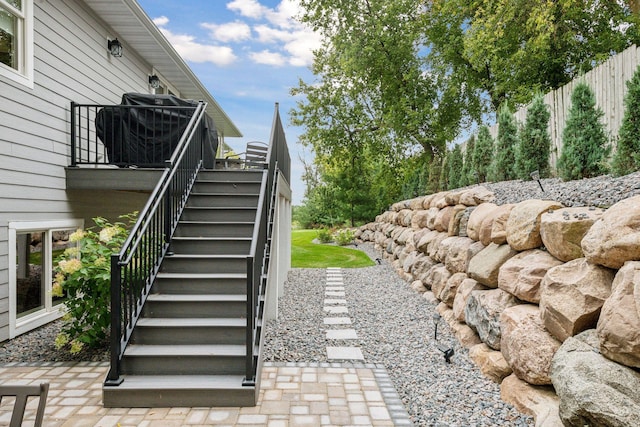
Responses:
[447,351]
[536,175]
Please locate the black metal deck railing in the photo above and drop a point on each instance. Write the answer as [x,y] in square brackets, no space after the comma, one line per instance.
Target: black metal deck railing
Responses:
[279,165]
[126,135]
[134,269]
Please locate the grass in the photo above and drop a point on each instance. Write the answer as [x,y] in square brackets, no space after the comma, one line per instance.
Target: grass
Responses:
[305,254]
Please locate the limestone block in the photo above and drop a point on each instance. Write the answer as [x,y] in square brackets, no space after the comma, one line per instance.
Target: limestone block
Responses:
[425,240]
[454,223]
[476,196]
[436,275]
[421,265]
[522,274]
[443,248]
[485,265]
[477,216]
[593,390]
[467,286]
[526,345]
[540,402]
[461,250]
[443,217]
[562,230]
[619,324]
[499,225]
[434,245]
[448,292]
[482,314]
[613,239]
[419,219]
[523,225]
[491,362]
[572,295]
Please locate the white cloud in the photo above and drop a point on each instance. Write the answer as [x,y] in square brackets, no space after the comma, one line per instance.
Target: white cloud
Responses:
[267,57]
[248,8]
[229,32]
[191,50]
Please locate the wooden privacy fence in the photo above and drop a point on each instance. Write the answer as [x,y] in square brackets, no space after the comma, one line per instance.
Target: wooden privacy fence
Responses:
[608,82]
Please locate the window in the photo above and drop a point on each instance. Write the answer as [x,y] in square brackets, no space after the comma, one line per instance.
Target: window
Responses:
[33,249]
[165,87]
[16,40]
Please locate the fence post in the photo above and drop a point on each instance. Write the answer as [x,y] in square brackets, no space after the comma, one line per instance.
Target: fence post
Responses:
[113,377]
[73,134]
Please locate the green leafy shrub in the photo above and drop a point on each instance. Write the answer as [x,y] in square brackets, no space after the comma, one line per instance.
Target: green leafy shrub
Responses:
[507,141]
[325,235]
[627,157]
[344,237]
[83,273]
[534,143]
[584,139]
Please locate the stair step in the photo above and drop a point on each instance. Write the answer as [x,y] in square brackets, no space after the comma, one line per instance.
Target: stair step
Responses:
[195,298]
[195,306]
[226,187]
[220,213]
[222,200]
[211,359]
[198,283]
[148,391]
[188,263]
[214,229]
[211,245]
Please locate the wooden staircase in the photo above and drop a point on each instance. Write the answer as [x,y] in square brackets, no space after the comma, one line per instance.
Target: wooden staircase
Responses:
[188,347]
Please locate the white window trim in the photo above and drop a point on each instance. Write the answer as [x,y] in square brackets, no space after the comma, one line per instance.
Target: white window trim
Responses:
[49,313]
[24,73]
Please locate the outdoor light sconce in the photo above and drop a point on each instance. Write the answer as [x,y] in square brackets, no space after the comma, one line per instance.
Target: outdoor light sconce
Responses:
[447,351]
[154,82]
[536,175]
[115,47]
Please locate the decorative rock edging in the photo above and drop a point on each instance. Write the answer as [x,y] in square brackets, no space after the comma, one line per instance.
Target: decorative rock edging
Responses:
[494,264]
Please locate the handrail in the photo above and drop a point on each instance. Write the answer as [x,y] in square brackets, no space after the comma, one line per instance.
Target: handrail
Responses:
[135,267]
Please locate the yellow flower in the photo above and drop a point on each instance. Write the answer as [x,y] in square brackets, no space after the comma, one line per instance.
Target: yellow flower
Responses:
[59,278]
[72,252]
[77,235]
[70,266]
[56,290]
[67,317]
[61,340]
[76,347]
[99,262]
[108,233]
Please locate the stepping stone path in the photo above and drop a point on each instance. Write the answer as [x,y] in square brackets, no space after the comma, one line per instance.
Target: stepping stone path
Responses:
[335,306]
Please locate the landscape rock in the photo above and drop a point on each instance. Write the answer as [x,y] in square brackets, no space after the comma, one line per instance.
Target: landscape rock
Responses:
[619,323]
[613,239]
[526,345]
[572,295]
[463,333]
[419,219]
[434,245]
[461,250]
[562,230]
[467,286]
[522,274]
[538,401]
[448,292]
[421,266]
[485,265]
[431,217]
[453,197]
[416,203]
[417,286]
[454,223]
[491,362]
[485,229]
[442,218]
[464,220]
[477,216]
[594,390]
[523,225]
[499,225]
[476,196]
[436,276]
[425,240]
[440,201]
[482,314]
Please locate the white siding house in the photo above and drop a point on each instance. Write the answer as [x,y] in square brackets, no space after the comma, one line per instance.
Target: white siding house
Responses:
[53,53]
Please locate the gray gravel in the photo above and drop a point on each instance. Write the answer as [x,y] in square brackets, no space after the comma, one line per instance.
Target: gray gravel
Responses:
[395,327]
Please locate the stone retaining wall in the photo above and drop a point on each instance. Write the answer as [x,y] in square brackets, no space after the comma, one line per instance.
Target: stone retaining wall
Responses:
[546,298]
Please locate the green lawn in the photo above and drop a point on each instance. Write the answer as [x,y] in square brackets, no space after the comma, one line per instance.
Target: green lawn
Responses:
[305,254]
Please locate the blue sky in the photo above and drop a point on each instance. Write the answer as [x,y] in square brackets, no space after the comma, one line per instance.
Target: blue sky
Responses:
[248,54]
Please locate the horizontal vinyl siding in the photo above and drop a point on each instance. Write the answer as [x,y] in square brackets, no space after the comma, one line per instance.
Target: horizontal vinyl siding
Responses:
[71,63]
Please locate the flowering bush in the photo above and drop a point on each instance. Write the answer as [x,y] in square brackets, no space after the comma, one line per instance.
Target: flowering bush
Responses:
[83,274]
[344,237]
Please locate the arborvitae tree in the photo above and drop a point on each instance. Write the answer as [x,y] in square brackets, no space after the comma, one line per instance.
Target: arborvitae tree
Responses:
[443,183]
[433,183]
[584,139]
[627,157]
[455,167]
[482,154]
[507,141]
[534,142]
[466,177]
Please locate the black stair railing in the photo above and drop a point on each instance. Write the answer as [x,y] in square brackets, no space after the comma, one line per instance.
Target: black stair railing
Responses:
[278,166]
[134,269]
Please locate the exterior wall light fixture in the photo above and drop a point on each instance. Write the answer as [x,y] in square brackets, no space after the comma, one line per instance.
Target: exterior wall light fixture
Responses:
[154,82]
[115,47]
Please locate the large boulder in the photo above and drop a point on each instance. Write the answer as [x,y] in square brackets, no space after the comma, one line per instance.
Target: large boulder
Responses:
[476,196]
[619,324]
[482,314]
[448,291]
[499,225]
[421,266]
[461,250]
[419,219]
[538,401]
[463,333]
[572,295]
[454,223]
[477,217]
[485,229]
[464,220]
[491,362]
[443,248]
[523,225]
[526,345]
[485,265]
[593,390]
[434,245]
[443,217]
[426,238]
[613,239]
[562,230]
[432,213]
[522,274]
[436,278]
[467,286]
